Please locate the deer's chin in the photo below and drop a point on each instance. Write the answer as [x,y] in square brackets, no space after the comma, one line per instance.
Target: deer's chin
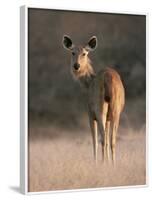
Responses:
[75,73]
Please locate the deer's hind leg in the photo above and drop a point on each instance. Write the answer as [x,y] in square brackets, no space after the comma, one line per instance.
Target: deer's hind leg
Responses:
[107,142]
[106,125]
[104,128]
[115,124]
[94,132]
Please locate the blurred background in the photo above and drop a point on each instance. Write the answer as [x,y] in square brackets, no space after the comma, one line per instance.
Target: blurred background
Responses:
[54,97]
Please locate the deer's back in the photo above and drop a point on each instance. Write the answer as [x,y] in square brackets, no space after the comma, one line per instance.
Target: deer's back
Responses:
[107,87]
[113,88]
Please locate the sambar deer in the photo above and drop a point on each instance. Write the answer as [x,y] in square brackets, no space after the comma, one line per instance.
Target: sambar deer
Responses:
[105,95]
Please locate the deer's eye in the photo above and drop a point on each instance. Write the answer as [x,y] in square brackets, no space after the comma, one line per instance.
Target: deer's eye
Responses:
[83,54]
[73,53]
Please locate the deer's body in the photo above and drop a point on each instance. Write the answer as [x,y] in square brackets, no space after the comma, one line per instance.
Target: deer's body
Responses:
[105,96]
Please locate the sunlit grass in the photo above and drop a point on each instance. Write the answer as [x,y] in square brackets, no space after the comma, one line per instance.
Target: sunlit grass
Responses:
[60,159]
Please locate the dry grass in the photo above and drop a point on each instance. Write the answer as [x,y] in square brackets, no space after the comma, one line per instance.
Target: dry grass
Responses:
[60,159]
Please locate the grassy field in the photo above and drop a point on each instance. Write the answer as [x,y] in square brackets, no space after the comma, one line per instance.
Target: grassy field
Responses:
[62,159]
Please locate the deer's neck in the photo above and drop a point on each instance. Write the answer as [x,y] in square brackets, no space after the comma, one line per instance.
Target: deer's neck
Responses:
[87,76]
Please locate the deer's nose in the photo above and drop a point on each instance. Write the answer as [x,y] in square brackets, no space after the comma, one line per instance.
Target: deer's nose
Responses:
[76,66]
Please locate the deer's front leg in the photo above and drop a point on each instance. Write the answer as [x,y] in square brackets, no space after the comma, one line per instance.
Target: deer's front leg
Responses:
[94,132]
[102,133]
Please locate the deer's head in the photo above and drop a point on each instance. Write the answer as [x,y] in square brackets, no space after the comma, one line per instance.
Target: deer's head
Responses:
[80,63]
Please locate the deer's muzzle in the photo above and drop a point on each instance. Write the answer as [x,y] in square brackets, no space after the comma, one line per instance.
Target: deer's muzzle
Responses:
[76,66]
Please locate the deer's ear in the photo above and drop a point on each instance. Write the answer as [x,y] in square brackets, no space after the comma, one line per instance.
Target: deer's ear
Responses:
[67,42]
[92,44]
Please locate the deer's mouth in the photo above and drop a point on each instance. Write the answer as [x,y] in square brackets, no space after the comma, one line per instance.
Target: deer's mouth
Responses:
[76,66]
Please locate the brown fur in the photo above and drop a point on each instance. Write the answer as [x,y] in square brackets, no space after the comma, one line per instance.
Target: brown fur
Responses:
[105,97]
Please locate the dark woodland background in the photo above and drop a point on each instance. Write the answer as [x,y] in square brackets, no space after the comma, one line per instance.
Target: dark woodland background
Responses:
[54,97]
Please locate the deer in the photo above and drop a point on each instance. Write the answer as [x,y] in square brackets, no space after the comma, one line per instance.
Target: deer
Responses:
[105,96]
